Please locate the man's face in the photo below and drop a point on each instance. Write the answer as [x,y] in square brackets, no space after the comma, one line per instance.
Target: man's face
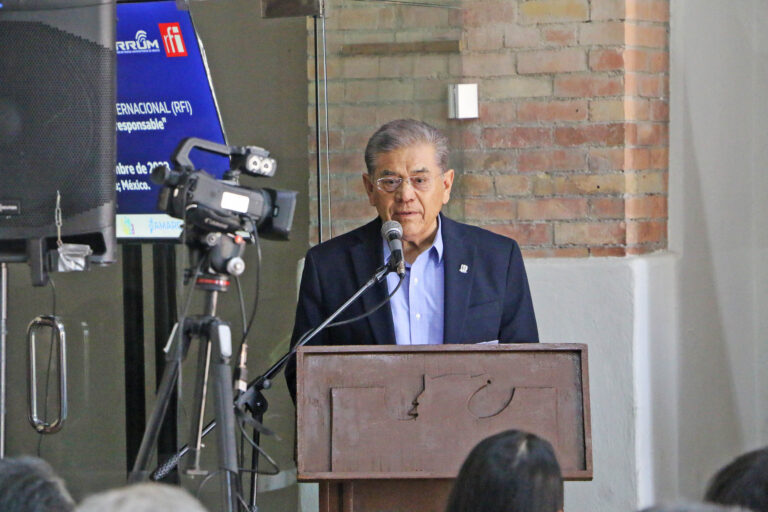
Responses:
[416,210]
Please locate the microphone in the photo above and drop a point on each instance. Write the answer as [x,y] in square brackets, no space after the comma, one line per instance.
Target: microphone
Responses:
[392,232]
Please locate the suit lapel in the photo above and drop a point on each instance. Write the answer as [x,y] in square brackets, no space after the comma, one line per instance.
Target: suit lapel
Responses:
[458,267]
[366,257]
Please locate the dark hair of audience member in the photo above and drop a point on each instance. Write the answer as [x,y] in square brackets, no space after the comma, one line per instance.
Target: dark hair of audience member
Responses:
[29,484]
[743,482]
[512,471]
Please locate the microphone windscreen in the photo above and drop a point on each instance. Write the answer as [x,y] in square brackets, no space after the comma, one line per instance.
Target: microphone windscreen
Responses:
[391,229]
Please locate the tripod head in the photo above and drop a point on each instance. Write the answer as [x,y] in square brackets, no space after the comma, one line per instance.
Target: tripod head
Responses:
[214,253]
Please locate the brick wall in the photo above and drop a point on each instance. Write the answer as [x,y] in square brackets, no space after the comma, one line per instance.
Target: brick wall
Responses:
[569,154]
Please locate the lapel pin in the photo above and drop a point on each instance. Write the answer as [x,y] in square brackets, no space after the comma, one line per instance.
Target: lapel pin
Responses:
[463,268]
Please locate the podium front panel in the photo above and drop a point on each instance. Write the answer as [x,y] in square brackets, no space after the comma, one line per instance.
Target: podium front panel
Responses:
[394,412]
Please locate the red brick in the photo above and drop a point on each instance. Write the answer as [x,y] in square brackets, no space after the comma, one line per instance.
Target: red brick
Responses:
[552,209]
[351,210]
[599,134]
[498,112]
[650,36]
[484,37]
[552,61]
[588,85]
[658,62]
[646,207]
[488,64]
[551,160]
[603,252]
[588,184]
[647,182]
[513,185]
[516,36]
[647,134]
[503,161]
[355,140]
[636,159]
[553,11]
[484,209]
[659,110]
[362,18]
[568,110]
[606,208]
[476,185]
[590,233]
[601,10]
[606,159]
[606,109]
[640,232]
[346,163]
[648,10]
[561,35]
[463,139]
[516,137]
[637,59]
[525,233]
[606,59]
[556,252]
[543,185]
[651,86]
[609,33]
[659,158]
[637,109]
[481,14]
[358,116]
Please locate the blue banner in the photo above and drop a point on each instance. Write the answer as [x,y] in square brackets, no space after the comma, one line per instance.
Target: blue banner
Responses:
[163,96]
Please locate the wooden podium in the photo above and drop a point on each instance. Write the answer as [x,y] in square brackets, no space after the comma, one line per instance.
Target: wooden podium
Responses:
[386,428]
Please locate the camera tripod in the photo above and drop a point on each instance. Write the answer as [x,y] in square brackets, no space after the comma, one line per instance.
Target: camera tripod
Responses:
[220,254]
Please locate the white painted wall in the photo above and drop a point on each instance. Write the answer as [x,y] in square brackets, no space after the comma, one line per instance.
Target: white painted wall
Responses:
[679,341]
[718,224]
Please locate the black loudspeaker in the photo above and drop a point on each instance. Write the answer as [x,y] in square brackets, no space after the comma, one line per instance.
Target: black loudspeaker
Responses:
[57,129]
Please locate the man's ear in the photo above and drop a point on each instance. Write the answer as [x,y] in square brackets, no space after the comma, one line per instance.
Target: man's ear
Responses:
[447,181]
[368,184]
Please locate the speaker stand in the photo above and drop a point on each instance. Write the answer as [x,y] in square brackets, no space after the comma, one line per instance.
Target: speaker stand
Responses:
[3,333]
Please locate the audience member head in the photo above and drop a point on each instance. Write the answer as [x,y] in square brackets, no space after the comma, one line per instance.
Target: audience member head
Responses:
[29,484]
[145,497]
[693,507]
[743,482]
[512,471]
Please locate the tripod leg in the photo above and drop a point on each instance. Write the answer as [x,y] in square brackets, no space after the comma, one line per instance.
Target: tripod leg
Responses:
[164,394]
[196,425]
[225,412]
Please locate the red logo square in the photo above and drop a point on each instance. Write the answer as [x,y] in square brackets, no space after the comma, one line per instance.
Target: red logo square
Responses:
[172,40]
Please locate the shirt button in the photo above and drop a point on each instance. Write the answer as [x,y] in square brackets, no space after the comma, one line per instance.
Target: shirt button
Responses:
[415,280]
[418,316]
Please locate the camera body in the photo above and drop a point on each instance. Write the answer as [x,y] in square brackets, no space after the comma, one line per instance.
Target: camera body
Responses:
[223,205]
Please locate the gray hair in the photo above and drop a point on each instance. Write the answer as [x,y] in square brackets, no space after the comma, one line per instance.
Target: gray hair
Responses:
[693,507]
[402,133]
[29,484]
[144,497]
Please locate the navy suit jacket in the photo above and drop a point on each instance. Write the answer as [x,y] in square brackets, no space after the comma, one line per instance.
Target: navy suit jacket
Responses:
[489,301]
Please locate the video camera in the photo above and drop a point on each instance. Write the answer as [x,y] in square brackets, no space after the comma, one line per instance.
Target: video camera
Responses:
[224,206]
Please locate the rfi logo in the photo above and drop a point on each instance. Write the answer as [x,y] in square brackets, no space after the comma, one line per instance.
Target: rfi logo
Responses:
[172,40]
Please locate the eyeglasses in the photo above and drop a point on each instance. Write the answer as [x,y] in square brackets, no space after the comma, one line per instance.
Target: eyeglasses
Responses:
[421,182]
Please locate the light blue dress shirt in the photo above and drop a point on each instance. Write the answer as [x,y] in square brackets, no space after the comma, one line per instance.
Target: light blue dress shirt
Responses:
[417,307]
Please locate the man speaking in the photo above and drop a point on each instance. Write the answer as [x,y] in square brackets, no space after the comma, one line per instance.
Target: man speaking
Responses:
[462,284]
